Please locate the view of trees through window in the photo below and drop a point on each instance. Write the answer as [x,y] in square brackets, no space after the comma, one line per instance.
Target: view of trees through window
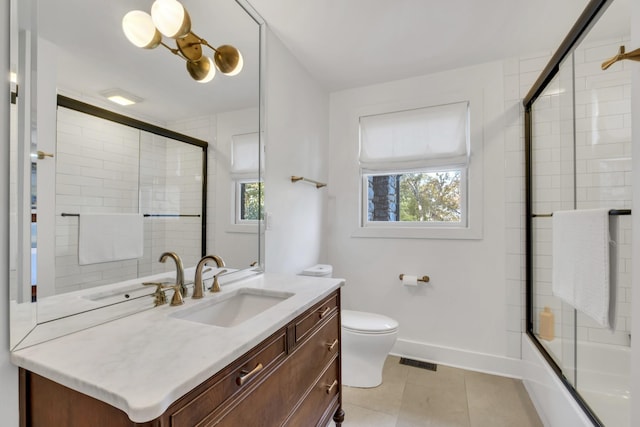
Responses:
[415,197]
[251,208]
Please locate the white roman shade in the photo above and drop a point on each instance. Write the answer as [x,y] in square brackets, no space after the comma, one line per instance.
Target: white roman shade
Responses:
[418,138]
[245,158]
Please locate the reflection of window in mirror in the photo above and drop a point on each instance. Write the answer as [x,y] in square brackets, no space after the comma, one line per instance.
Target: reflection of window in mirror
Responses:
[247,188]
[249,203]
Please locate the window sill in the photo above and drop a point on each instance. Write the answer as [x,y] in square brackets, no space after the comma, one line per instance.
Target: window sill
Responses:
[242,228]
[448,233]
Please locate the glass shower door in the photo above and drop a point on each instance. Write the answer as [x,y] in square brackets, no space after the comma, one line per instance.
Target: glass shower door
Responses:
[603,180]
[553,184]
[581,159]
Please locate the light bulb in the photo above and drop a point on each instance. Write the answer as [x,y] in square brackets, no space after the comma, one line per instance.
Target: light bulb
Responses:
[171,18]
[139,29]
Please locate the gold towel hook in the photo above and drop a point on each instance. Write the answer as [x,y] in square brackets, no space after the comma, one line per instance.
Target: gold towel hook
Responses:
[633,56]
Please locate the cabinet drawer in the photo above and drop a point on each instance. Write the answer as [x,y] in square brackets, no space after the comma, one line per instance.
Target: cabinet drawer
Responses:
[271,402]
[231,381]
[317,404]
[310,358]
[316,315]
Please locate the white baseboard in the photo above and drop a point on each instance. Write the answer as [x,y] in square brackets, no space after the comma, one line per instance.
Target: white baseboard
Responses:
[459,358]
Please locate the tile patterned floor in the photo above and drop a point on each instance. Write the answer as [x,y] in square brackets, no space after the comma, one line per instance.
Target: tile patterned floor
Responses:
[448,397]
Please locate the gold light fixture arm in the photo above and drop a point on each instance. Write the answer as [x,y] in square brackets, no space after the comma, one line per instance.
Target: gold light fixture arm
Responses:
[174,50]
[634,55]
[203,41]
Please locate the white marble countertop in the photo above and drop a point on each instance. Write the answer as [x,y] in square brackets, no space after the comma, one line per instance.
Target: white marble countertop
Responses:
[144,362]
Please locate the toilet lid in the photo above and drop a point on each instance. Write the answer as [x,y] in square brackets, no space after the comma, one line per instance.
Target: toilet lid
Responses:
[359,321]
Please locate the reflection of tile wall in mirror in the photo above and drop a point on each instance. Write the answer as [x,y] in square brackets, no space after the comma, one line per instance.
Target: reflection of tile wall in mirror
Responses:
[99,170]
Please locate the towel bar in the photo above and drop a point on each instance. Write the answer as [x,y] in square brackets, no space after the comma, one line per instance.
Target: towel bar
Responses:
[146,215]
[612,212]
[302,178]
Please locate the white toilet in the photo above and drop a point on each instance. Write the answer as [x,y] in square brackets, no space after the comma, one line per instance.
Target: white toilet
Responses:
[367,339]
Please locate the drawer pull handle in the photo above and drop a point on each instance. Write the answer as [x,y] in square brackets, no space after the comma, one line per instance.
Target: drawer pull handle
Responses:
[325,311]
[331,345]
[245,375]
[332,386]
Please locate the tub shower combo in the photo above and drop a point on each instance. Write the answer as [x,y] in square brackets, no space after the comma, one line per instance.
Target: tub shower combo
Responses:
[578,163]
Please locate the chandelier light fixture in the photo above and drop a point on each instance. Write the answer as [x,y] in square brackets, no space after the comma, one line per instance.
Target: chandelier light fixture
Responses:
[170,19]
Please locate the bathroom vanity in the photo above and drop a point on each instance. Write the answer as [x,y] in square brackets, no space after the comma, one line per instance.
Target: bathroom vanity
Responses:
[168,367]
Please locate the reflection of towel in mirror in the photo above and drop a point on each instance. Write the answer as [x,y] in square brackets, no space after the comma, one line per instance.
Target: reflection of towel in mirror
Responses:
[580,274]
[109,237]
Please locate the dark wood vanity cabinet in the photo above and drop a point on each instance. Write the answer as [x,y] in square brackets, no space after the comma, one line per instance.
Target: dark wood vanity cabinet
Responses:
[290,379]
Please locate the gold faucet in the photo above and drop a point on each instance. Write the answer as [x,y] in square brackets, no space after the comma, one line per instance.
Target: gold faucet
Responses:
[176,299]
[198,283]
[179,272]
[160,297]
[216,286]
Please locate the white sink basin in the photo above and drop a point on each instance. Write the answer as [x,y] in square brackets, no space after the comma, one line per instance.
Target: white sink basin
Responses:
[233,308]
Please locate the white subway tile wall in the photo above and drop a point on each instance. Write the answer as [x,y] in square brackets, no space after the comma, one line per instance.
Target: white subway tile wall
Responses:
[104,167]
[602,174]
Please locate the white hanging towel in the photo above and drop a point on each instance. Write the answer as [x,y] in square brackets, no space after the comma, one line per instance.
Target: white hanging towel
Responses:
[580,274]
[109,237]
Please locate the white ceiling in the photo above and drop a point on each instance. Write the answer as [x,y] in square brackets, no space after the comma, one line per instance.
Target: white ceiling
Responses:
[93,55]
[351,43]
[342,44]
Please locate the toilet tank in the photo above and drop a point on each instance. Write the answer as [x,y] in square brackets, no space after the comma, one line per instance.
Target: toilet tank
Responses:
[318,270]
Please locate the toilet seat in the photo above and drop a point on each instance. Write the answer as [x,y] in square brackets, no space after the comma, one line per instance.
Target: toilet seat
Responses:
[367,323]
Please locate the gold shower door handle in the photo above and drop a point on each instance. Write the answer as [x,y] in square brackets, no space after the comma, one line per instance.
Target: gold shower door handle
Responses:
[245,375]
[42,155]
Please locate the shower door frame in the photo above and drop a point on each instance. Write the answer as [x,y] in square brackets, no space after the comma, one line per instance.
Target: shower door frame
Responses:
[590,15]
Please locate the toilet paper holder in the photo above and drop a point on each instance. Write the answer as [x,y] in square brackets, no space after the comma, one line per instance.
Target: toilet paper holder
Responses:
[424,279]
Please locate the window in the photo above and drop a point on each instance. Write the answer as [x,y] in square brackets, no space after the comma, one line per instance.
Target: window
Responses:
[433,197]
[248,189]
[414,167]
[249,198]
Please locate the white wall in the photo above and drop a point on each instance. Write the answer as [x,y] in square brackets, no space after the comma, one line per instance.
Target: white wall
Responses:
[237,244]
[297,132]
[8,372]
[460,316]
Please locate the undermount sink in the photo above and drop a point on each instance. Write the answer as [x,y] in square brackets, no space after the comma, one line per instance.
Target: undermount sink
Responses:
[233,308]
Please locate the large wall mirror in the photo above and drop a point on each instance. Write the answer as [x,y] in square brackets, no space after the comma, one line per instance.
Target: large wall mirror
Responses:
[186,158]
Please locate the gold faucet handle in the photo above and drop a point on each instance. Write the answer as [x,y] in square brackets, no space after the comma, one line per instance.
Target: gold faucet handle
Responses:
[216,286]
[176,299]
[160,297]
